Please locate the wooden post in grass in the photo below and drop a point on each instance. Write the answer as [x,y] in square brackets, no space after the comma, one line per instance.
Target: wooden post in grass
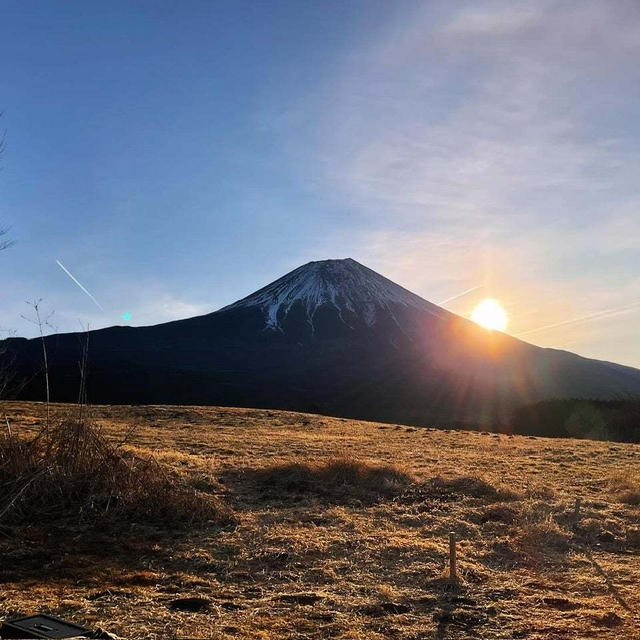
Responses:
[453,570]
[576,511]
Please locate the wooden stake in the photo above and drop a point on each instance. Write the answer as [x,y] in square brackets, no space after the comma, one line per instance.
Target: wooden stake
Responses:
[576,511]
[453,572]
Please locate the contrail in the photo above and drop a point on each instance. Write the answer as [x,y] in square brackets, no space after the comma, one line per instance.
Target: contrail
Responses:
[79,284]
[605,313]
[459,295]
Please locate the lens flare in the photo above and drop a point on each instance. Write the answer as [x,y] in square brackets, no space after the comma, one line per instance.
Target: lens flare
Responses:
[490,315]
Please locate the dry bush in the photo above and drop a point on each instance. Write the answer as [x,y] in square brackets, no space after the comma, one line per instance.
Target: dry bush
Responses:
[71,471]
[591,530]
[499,513]
[633,537]
[604,533]
[626,487]
[539,534]
[467,486]
[540,492]
[543,538]
[342,477]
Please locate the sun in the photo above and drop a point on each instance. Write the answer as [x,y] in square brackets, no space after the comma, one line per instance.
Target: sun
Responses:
[490,315]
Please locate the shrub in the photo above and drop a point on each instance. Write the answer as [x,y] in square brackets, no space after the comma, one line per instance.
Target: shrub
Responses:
[626,487]
[499,513]
[543,538]
[633,537]
[70,470]
[337,478]
[469,486]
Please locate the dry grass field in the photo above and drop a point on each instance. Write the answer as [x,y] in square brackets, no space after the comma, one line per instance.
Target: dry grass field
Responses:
[339,529]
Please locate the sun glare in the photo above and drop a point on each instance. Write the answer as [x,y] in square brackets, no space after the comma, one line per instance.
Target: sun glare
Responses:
[490,315]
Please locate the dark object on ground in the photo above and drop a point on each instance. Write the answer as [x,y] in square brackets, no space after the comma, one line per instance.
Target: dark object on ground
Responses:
[562,604]
[610,619]
[300,598]
[385,609]
[101,634]
[42,626]
[194,603]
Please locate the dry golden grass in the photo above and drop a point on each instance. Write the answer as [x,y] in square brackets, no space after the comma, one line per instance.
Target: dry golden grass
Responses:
[341,531]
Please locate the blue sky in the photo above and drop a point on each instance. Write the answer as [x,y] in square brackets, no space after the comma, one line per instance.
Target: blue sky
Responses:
[176,156]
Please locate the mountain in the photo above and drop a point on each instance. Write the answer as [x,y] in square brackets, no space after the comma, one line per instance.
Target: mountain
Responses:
[330,337]
[344,287]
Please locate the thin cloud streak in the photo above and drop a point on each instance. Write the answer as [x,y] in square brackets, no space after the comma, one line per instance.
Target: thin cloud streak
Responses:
[459,295]
[79,284]
[598,315]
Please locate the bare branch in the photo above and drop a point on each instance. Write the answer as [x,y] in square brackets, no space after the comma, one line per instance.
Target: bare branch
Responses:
[41,323]
[5,244]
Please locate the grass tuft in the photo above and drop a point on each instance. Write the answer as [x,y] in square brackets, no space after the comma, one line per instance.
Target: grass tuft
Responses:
[340,477]
[71,471]
[626,487]
[545,538]
[473,487]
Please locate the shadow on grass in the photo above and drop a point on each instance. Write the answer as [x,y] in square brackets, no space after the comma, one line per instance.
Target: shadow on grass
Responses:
[89,554]
[613,590]
[337,480]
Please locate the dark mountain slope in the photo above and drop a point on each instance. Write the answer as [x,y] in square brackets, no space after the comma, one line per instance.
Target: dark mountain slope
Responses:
[332,337]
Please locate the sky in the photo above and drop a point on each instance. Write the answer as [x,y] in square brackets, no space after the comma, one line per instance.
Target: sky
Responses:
[176,156]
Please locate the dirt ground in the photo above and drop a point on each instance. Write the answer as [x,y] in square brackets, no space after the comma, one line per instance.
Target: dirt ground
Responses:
[309,560]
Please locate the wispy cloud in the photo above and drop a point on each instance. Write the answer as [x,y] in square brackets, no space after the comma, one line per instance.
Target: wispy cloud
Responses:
[494,21]
[496,142]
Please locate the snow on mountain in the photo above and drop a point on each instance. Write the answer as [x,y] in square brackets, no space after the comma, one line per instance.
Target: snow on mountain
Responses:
[346,285]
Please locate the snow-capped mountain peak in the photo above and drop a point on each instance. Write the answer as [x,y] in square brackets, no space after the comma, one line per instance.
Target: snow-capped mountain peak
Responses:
[345,285]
